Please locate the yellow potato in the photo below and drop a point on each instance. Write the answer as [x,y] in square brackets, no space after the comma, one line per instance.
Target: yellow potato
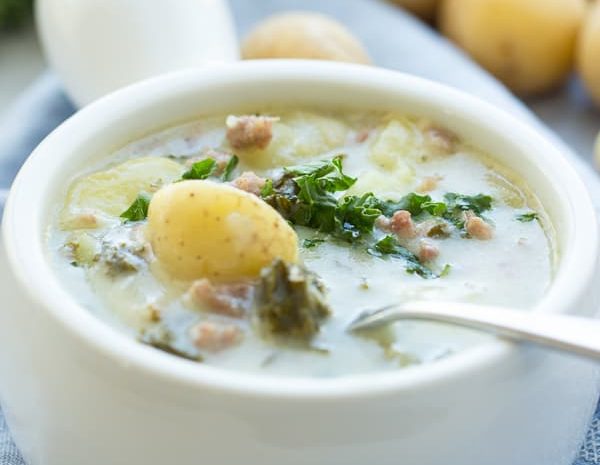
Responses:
[303,35]
[109,193]
[426,9]
[203,229]
[588,53]
[528,44]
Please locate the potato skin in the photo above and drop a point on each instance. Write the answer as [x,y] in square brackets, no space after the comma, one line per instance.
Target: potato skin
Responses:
[588,52]
[528,44]
[204,229]
[303,35]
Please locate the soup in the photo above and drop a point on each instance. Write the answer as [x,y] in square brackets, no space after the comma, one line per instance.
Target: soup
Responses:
[249,242]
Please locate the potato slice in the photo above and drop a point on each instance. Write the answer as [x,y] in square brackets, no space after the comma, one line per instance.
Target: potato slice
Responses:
[529,45]
[204,229]
[109,193]
[297,137]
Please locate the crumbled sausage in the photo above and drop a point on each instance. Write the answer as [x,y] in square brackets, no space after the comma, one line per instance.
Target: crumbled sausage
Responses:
[443,140]
[403,225]
[477,227]
[383,222]
[214,336]
[362,135]
[428,184]
[428,250]
[226,299]
[249,182]
[249,131]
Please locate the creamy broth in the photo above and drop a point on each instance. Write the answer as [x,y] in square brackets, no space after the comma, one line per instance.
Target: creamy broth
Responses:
[501,255]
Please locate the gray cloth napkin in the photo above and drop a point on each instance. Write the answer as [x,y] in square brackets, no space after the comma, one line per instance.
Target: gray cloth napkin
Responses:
[395,40]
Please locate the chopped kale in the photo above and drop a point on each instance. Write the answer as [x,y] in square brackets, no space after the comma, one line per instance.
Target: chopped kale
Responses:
[162,339]
[228,170]
[476,203]
[138,210]
[267,189]
[527,217]
[290,302]
[356,216]
[446,270]
[201,169]
[305,196]
[310,243]
[415,204]
[389,246]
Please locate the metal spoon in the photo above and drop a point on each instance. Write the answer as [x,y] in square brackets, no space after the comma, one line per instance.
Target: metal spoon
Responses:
[571,334]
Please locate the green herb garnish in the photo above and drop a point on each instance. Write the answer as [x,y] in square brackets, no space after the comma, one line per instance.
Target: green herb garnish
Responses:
[310,243]
[389,246]
[201,169]
[138,210]
[231,165]
[267,189]
[476,203]
[527,217]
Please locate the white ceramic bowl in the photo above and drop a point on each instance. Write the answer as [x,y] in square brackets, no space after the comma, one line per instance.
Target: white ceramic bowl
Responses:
[77,392]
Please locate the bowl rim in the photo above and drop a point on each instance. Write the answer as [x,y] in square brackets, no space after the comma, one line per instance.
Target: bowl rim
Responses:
[25,245]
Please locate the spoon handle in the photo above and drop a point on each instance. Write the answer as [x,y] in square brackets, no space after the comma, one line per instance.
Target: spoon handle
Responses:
[571,334]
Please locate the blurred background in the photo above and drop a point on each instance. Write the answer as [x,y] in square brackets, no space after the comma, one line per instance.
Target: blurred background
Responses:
[547,52]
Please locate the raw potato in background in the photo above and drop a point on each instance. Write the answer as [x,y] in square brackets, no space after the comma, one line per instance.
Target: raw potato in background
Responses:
[588,53]
[303,35]
[528,44]
[426,9]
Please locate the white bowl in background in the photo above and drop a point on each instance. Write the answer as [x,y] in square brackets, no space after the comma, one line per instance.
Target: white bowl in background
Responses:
[78,392]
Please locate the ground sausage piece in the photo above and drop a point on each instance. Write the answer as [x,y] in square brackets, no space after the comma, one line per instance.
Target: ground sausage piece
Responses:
[477,228]
[249,131]
[226,299]
[427,251]
[402,224]
[214,336]
[362,135]
[428,184]
[249,182]
[441,139]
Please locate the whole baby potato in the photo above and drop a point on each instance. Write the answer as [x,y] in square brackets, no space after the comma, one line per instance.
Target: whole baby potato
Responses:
[528,44]
[204,229]
[303,35]
[425,9]
[588,52]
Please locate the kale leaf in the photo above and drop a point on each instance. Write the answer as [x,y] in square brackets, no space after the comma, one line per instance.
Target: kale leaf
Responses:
[415,204]
[228,170]
[389,246]
[310,243]
[201,169]
[138,210]
[476,203]
[527,217]
[290,301]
